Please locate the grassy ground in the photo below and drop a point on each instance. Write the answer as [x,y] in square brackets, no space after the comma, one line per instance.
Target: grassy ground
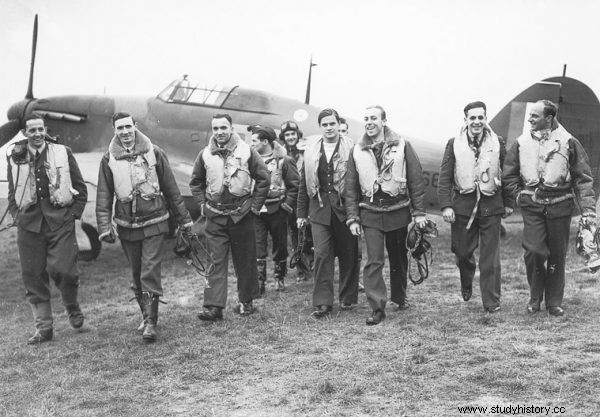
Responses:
[440,354]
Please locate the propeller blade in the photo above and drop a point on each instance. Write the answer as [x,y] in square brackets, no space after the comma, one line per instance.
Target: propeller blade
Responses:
[29,94]
[8,131]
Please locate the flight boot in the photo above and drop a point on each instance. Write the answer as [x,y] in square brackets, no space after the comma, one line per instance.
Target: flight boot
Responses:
[279,275]
[151,307]
[261,268]
[42,315]
[140,300]
[69,299]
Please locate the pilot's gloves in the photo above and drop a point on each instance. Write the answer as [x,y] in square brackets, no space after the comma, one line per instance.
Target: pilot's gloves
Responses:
[187,228]
[301,222]
[507,212]
[420,221]
[109,236]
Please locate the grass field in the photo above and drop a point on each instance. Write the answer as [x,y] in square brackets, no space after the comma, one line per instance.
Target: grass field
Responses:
[439,355]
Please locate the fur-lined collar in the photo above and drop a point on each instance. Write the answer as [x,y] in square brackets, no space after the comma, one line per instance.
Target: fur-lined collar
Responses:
[390,138]
[229,146]
[142,146]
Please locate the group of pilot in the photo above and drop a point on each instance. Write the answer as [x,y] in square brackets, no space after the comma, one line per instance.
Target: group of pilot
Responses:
[328,191]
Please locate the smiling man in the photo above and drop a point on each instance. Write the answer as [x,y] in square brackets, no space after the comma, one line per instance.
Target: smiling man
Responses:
[384,185]
[321,200]
[230,183]
[137,174]
[46,193]
[547,171]
[471,198]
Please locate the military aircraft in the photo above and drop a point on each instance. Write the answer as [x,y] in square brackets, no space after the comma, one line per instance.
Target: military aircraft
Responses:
[178,119]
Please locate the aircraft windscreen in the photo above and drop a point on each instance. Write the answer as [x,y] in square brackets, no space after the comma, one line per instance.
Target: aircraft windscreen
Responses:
[183,91]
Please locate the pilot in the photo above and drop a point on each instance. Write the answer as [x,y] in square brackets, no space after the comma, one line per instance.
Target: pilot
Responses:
[547,172]
[384,185]
[343,129]
[280,203]
[222,184]
[321,199]
[295,144]
[46,193]
[471,198]
[137,174]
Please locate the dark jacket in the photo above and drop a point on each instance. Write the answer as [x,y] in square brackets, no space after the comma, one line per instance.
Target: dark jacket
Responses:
[31,218]
[170,199]
[463,204]
[581,184]
[373,214]
[258,172]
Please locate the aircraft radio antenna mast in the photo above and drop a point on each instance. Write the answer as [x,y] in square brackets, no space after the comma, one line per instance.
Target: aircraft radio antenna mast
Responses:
[565,70]
[307,99]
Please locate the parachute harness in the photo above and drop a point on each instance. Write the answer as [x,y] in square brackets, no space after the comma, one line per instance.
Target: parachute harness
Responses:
[420,250]
[189,245]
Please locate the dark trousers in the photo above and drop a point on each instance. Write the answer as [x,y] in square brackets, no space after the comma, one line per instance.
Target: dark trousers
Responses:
[145,259]
[49,254]
[484,231]
[331,241]
[395,243]
[221,234]
[545,242]
[304,267]
[274,224]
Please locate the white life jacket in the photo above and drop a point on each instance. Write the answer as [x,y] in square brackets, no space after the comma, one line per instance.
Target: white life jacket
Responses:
[135,176]
[483,172]
[59,178]
[232,173]
[545,161]
[312,155]
[274,163]
[390,177]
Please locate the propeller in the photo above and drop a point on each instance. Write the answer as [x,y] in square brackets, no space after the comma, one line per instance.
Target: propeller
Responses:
[17,112]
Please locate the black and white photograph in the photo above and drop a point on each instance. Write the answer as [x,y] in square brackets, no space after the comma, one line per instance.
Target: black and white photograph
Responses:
[283,208]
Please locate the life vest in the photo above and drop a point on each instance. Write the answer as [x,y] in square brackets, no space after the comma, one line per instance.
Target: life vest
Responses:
[483,172]
[545,161]
[59,178]
[274,163]
[390,177]
[232,172]
[135,176]
[340,162]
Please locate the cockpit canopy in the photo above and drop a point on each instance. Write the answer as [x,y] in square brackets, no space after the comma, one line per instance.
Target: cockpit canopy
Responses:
[186,91]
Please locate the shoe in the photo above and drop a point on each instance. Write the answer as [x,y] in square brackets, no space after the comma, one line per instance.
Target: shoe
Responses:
[279,285]
[211,313]
[321,311]
[403,306]
[492,310]
[149,334]
[40,336]
[75,315]
[533,308]
[466,293]
[246,308]
[345,307]
[556,311]
[376,317]
[361,287]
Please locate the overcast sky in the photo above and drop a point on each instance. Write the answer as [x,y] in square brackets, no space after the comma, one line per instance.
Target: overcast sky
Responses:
[422,60]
